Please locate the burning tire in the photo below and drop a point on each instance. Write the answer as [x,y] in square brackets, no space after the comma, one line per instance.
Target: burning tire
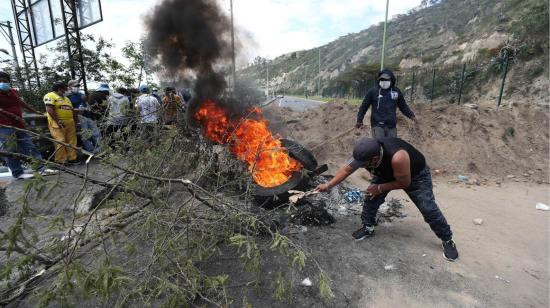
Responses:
[301,154]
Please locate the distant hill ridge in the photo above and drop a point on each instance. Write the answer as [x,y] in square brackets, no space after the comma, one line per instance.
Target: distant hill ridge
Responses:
[445,33]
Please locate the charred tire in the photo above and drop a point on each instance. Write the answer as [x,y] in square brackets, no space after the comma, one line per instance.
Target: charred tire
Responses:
[301,154]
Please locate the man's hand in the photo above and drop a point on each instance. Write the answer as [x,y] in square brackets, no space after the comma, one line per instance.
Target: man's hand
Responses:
[415,120]
[322,188]
[373,191]
[60,124]
[358,125]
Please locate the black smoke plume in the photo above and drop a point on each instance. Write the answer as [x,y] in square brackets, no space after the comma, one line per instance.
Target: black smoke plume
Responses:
[191,36]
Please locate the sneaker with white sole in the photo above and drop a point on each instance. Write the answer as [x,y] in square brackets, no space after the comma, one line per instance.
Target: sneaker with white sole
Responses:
[47,172]
[363,232]
[24,176]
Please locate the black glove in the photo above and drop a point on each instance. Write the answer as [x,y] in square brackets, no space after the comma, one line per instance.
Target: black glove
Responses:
[358,125]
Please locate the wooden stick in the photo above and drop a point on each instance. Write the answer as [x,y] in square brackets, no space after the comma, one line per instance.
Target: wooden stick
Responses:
[332,139]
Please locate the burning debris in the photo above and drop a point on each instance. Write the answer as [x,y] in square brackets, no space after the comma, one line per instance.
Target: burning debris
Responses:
[251,141]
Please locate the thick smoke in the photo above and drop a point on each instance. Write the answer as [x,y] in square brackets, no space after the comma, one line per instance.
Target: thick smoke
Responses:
[191,35]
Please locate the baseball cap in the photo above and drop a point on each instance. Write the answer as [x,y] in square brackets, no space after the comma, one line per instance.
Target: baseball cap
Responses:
[104,87]
[363,150]
[384,76]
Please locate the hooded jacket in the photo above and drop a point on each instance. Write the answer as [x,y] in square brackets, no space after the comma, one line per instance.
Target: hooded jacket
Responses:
[384,104]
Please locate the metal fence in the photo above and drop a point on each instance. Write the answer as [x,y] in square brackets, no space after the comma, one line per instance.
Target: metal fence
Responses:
[452,83]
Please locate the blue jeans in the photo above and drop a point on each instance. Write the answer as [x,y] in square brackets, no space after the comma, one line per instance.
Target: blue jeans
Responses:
[421,193]
[92,135]
[20,142]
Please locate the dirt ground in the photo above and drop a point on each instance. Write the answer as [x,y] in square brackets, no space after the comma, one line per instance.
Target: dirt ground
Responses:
[503,263]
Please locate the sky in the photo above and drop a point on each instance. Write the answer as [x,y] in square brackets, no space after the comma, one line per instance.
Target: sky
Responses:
[266,28]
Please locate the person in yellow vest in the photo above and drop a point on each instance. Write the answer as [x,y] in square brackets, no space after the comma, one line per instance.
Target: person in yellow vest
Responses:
[62,123]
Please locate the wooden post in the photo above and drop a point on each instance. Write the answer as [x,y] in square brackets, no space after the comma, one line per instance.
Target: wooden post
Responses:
[503,79]
[433,86]
[461,82]
[412,87]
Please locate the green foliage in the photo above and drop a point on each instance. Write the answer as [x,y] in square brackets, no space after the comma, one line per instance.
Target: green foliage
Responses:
[324,286]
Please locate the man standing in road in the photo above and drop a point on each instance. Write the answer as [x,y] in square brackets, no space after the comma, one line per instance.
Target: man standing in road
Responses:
[395,164]
[149,108]
[11,139]
[384,98]
[89,132]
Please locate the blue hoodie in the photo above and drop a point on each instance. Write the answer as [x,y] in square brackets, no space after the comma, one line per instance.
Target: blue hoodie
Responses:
[384,104]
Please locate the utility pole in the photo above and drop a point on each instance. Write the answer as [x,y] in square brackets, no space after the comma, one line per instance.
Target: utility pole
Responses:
[384,37]
[6,29]
[319,78]
[267,77]
[233,48]
[305,81]
[8,34]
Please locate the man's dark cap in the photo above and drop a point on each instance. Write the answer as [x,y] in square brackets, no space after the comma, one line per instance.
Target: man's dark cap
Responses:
[363,151]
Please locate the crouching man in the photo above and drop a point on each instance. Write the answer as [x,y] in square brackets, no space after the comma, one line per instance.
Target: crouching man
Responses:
[395,164]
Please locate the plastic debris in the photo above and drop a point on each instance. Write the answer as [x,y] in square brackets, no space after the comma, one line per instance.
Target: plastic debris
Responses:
[542,206]
[307,282]
[424,255]
[296,195]
[389,267]
[352,196]
[478,221]
[502,279]
[463,178]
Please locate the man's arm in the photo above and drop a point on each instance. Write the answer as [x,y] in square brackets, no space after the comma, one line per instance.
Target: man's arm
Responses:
[13,116]
[363,109]
[51,111]
[401,165]
[341,175]
[405,109]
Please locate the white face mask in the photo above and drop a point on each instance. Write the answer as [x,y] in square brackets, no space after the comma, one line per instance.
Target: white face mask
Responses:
[75,89]
[384,84]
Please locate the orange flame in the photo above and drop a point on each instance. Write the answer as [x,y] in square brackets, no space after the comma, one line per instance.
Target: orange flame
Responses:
[250,140]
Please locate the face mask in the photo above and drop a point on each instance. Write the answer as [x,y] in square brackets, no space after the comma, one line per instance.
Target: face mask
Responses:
[75,89]
[385,84]
[4,86]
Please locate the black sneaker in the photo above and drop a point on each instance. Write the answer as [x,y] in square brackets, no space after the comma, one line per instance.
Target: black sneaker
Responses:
[449,250]
[363,232]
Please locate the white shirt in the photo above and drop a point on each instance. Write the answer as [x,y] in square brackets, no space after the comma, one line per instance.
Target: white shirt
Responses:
[148,106]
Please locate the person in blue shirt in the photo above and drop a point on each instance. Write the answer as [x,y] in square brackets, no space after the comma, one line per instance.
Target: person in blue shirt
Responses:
[89,132]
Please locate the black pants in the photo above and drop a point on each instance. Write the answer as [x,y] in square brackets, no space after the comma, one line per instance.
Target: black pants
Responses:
[421,193]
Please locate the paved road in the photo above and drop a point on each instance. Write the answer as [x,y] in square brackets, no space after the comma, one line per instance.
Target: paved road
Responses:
[297,104]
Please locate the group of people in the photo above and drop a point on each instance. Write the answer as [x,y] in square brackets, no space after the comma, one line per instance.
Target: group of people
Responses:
[394,163]
[72,114]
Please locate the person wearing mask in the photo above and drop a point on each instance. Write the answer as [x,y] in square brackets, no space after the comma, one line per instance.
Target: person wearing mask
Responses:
[89,132]
[155,94]
[119,112]
[13,140]
[148,108]
[98,102]
[62,123]
[384,99]
[171,105]
[395,164]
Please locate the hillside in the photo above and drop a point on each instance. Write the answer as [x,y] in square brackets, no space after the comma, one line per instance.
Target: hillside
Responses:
[441,36]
